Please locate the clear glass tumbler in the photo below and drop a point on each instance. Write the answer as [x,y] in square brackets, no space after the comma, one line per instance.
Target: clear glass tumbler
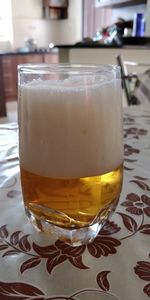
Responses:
[70,147]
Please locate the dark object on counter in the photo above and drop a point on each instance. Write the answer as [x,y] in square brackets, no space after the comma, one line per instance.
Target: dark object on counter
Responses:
[122,24]
[136,41]
[31,44]
[112,35]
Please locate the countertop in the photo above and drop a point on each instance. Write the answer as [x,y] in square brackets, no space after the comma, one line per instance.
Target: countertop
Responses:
[73,47]
[128,43]
[37,52]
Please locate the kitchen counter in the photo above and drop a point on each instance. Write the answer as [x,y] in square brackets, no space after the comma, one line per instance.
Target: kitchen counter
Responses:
[99,46]
[8,71]
[130,43]
[24,52]
[79,53]
[90,45]
[102,54]
[125,42]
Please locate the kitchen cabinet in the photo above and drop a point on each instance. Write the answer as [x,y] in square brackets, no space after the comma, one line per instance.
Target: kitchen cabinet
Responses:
[55,9]
[29,58]
[118,3]
[8,71]
[51,59]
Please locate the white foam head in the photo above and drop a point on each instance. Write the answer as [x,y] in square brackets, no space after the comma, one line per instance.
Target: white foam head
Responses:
[69,129]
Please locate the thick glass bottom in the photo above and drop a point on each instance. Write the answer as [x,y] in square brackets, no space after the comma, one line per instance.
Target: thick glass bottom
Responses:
[73,236]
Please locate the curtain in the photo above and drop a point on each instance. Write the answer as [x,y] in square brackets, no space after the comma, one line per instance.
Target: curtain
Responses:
[94,18]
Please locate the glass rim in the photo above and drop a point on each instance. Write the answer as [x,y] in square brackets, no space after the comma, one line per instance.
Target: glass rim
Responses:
[67,68]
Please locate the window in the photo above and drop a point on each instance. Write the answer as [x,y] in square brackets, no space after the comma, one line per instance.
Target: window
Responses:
[6,32]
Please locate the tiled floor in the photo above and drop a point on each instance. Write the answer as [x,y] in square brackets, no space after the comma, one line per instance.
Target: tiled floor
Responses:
[11,112]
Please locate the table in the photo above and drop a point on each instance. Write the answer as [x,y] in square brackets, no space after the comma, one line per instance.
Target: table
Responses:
[115,266]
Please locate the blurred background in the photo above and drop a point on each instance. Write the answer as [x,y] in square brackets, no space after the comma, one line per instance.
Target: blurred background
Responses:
[76,31]
[37,23]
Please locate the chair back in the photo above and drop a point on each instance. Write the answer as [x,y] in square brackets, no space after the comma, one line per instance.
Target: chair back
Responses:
[142,88]
[128,80]
[2,96]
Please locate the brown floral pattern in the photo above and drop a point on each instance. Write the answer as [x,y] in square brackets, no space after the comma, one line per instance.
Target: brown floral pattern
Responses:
[142,269]
[136,205]
[135,132]
[53,255]
[129,150]
[17,242]
[23,291]
[128,120]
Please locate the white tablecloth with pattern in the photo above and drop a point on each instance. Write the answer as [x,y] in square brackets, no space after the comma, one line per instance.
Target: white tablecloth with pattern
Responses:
[115,266]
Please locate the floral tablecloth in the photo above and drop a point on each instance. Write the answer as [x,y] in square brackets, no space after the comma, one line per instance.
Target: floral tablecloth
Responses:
[115,266]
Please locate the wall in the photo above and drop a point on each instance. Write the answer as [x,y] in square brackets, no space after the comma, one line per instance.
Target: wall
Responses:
[128,12]
[28,22]
[95,18]
[71,28]
[147,32]
[6,34]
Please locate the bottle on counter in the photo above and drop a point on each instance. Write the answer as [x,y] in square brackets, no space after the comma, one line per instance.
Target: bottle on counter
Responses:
[138,25]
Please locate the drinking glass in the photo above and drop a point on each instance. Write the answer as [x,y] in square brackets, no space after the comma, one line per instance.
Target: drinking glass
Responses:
[70,147]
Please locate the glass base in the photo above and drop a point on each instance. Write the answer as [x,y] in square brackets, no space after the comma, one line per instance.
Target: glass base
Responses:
[73,236]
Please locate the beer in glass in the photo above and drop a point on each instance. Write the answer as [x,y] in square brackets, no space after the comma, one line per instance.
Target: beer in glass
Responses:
[70,147]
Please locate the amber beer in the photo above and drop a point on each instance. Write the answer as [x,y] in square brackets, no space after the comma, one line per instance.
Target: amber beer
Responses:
[71,150]
[79,200]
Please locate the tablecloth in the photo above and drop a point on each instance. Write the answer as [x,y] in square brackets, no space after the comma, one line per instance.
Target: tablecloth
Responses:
[115,266]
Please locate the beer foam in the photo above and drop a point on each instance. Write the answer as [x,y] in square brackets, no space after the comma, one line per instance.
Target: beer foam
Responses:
[69,129]
[72,83]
